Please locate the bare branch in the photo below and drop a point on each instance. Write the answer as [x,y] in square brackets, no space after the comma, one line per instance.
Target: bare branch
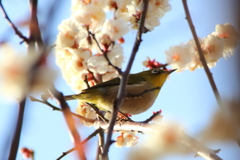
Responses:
[201,150]
[127,126]
[154,116]
[83,142]
[34,29]
[17,133]
[124,79]
[58,109]
[17,32]
[97,111]
[70,123]
[200,52]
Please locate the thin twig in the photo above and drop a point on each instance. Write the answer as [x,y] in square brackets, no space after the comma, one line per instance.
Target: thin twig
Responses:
[124,79]
[70,123]
[97,111]
[125,116]
[83,142]
[58,109]
[17,32]
[155,114]
[17,133]
[65,153]
[200,52]
[105,54]
[86,81]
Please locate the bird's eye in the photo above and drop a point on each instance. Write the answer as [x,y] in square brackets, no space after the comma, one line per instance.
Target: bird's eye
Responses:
[155,71]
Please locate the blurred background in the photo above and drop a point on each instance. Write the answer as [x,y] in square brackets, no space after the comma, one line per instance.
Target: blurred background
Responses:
[186,98]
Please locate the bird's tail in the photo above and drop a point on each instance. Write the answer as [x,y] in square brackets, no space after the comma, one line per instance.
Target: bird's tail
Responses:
[69,97]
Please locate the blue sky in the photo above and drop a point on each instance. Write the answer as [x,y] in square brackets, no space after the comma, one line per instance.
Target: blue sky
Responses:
[185,98]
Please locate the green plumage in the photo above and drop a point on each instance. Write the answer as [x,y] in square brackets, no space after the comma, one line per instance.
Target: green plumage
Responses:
[103,94]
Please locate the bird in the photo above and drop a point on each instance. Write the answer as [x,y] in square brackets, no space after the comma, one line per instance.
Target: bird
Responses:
[141,91]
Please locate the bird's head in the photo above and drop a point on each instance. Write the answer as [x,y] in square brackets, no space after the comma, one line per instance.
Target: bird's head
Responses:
[156,76]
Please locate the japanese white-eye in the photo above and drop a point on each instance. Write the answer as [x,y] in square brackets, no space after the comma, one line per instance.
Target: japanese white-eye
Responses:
[141,91]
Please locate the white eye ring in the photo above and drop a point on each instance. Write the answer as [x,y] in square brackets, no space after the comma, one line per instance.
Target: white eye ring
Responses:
[155,71]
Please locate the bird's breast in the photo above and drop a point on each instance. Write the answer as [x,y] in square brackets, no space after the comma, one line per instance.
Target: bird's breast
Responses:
[137,99]
[142,100]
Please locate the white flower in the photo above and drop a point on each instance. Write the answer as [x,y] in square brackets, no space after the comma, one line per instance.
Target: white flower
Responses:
[73,63]
[212,48]
[66,36]
[91,16]
[109,75]
[151,21]
[132,12]
[156,10]
[76,82]
[79,4]
[130,139]
[122,10]
[17,77]
[230,36]
[99,64]
[13,72]
[86,111]
[180,56]
[115,28]
[166,140]
[162,5]
[79,59]
[127,139]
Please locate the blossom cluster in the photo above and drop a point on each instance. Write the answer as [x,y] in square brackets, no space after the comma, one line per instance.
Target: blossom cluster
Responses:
[79,54]
[220,43]
[88,35]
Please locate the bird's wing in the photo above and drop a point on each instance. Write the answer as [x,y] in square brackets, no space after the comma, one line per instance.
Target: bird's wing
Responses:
[133,78]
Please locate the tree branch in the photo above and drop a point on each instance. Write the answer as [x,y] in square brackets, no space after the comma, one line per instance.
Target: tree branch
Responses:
[35,33]
[201,150]
[70,124]
[200,52]
[54,108]
[124,79]
[100,144]
[17,133]
[83,142]
[17,32]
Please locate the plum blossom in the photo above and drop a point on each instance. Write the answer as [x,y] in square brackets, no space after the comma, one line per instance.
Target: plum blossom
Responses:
[212,48]
[68,31]
[220,43]
[230,37]
[127,139]
[98,63]
[115,28]
[179,56]
[86,111]
[16,76]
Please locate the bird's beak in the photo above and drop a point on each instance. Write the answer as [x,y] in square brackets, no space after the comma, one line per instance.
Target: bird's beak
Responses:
[170,71]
